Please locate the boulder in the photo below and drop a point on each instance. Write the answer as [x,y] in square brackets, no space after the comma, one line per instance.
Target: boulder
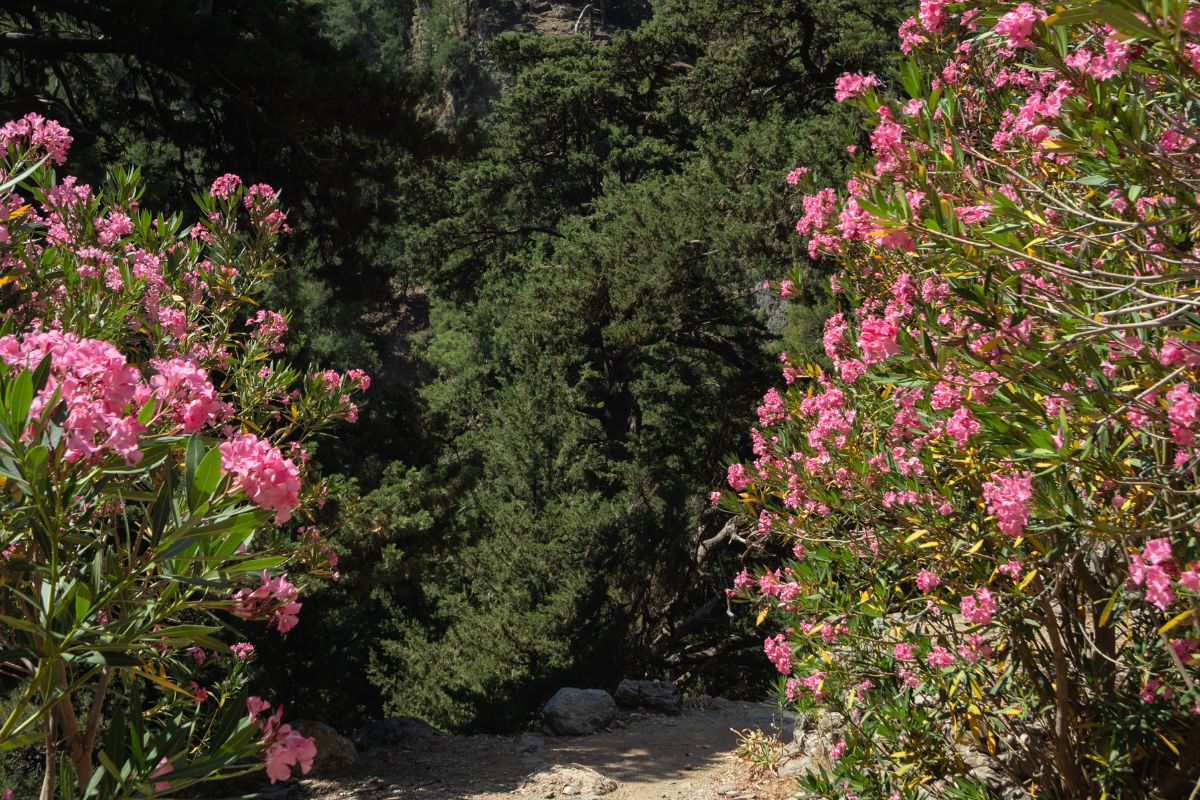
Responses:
[578,712]
[566,779]
[661,696]
[334,751]
[393,732]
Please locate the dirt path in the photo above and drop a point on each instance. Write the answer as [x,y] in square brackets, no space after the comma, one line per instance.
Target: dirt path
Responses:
[649,756]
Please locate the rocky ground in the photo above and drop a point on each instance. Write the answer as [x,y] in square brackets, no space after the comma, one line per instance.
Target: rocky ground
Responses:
[639,755]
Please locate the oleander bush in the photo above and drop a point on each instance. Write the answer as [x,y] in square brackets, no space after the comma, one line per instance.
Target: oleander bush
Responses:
[151,444]
[988,487]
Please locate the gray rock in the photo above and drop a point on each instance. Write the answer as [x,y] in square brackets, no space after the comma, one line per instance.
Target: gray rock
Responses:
[813,744]
[833,721]
[334,751]
[578,712]
[392,732]
[798,767]
[661,696]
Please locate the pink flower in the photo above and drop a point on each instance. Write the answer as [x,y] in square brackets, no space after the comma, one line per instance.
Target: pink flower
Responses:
[961,426]
[263,474]
[814,683]
[851,84]
[34,132]
[255,706]
[163,769]
[269,328]
[1176,353]
[99,391]
[926,580]
[1154,690]
[902,652]
[779,653]
[1190,578]
[284,747]
[877,340]
[1183,409]
[1012,569]
[795,175]
[939,657]
[1017,25]
[187,393]
[737,477]
[1008,498]
[970,215]
[224,186]
[837,751]
[933,15]
[275,600]
[242,650]
[1153,568]
[361,378]
[978,608]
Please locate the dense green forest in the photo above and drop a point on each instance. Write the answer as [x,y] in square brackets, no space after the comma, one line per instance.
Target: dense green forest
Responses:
[548,249]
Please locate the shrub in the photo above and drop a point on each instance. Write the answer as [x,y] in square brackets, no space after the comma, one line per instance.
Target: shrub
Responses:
[150,442]
[989,487]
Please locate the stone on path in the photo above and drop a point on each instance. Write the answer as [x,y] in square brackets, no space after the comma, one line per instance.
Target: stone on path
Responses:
[567,780]
[578,712]
[661,696]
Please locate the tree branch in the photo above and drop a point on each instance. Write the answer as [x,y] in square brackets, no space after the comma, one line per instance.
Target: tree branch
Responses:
[52,45]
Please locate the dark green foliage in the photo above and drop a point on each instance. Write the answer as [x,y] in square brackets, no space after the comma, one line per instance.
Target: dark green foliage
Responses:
[596,323]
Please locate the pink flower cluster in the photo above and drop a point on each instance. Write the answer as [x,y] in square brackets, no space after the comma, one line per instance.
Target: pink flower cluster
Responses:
[33,131]
[795,175]
[188,395]
[283,746]
[275,600]
[268,329]
[877,340]
[1155,567]
[852,84]
[1008,498]
[224,186]
[1017,25]
[100,391]
[979,607]
[779,652]
[1183,410]
[263,474]
[933,15]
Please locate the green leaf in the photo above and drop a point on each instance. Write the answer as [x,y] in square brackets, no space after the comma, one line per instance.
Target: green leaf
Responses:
[20,398]
[208,474]
[147,411]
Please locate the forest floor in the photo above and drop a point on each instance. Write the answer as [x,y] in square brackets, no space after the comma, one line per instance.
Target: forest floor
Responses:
[649,756]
